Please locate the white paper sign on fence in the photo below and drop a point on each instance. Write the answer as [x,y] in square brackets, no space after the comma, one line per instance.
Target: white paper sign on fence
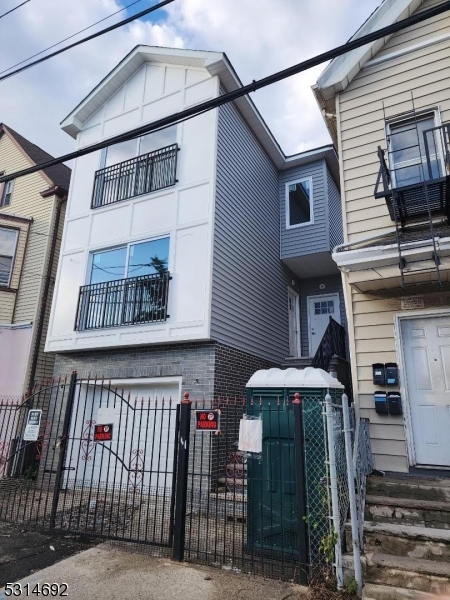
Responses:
[250,435]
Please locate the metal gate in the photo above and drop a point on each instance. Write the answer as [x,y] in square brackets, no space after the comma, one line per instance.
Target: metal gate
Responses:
[81,456]
[102,463]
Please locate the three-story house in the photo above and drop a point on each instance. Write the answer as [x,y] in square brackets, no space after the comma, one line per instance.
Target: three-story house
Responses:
[195,255]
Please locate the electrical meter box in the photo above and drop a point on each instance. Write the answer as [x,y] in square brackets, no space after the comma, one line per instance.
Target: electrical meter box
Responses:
[378,374]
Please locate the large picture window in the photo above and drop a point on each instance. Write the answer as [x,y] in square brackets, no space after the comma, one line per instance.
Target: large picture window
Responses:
[299,205]
[133,260]
[112,155]
[8,241]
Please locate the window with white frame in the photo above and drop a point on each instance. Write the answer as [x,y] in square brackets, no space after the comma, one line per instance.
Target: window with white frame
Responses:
[408,159]
[299,203]
[112,155]
[131,260]
[8,242]
[6,193]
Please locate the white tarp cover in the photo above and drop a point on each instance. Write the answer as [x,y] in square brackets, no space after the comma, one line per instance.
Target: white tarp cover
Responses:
[293,378]
[250,435]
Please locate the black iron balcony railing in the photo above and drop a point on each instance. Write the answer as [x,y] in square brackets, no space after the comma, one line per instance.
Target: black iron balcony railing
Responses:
[418,188]
[141,175]
[130,301]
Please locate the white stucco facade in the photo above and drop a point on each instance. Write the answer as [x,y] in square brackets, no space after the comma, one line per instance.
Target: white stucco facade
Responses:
[183,212]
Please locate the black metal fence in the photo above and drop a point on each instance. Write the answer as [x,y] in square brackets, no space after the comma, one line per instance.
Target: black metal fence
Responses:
[81,456]
[246,512]
[100,463]
[131,301]
[141,175]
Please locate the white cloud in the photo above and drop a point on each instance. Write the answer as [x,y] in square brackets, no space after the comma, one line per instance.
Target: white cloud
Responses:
[259,37]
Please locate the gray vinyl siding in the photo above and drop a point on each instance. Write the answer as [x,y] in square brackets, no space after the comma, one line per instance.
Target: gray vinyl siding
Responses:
[307,239]
[311,287]
[249,282]
[335,213]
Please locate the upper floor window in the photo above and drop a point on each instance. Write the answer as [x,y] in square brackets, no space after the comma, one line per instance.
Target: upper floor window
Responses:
[299,203]
[112,155]
[5,193]
[132,260]
[8,242]
[411,159]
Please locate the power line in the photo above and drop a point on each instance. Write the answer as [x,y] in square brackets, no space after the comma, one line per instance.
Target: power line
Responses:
[194,111]
[70,36]
[13,9]
[88,38]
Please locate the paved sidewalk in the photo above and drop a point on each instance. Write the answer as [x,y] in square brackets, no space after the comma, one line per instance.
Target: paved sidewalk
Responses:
[24,552]
[113,573]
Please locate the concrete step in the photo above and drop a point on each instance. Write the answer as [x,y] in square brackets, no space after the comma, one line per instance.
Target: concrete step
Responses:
[426,513]
[416,488]
[409,573]
[407,541]
[373,591]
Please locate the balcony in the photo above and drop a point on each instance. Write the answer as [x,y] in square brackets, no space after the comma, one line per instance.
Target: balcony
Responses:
[419,189]
[141,175]
[132,301]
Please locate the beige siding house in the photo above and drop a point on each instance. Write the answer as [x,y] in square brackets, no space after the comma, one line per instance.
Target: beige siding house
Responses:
[395,261]
[32,212]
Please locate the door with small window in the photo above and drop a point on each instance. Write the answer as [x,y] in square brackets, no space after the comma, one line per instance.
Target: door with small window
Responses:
[320,309]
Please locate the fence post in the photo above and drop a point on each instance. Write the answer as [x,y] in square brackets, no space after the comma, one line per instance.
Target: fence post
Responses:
[300,477]
[62,446]
[182,479]
[334,492]
[351,493]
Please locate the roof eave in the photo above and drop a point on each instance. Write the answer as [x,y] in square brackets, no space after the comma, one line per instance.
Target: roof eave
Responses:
[342,70]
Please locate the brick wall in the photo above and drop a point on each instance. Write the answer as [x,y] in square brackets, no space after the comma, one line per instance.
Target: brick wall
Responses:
[233,368]
[193,362]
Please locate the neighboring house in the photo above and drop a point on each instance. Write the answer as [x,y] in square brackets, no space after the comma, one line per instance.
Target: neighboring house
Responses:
[170,274]
[31,222]
[395,262]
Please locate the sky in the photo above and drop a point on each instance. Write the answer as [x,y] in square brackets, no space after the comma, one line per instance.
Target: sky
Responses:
[259,37]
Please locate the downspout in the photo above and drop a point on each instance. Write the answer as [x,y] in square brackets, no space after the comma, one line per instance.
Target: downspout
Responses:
[44,299]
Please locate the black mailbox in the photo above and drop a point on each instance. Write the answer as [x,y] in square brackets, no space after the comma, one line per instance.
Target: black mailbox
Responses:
[381,404]
[378,374]
[391,370]
[394,403]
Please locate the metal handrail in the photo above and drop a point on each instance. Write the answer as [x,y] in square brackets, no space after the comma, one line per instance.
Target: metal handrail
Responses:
[332,343]
[131,301]
[136,176]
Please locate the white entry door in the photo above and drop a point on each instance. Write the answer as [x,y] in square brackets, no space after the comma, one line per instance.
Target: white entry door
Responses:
[294,325]
[320,309]
[426,347]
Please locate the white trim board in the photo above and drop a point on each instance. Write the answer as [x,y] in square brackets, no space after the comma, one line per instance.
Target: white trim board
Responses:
[297,314]
[398,53]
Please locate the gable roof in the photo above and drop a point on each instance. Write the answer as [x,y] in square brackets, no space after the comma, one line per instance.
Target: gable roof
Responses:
[216,63]
[341,71]
[59,175]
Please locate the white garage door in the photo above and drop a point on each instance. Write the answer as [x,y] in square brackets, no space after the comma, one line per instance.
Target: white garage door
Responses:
[140,454]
